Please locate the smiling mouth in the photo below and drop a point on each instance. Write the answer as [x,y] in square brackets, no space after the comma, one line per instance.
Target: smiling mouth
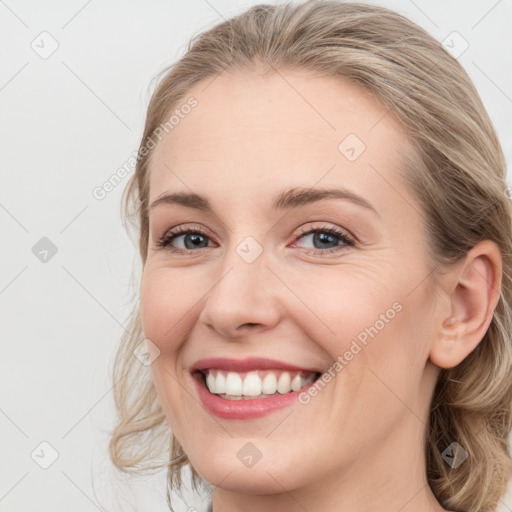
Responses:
[255,384]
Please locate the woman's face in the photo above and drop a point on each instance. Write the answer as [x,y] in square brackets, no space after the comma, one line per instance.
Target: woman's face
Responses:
[276,282]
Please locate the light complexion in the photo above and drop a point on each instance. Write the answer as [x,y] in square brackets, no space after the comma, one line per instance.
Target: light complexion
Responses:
[358,445]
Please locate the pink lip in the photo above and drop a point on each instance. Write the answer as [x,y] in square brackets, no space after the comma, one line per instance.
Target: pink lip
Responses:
[246,365]
[242,409]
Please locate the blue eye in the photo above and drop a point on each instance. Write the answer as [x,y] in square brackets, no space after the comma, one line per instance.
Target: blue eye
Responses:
[328,235]
[195,238]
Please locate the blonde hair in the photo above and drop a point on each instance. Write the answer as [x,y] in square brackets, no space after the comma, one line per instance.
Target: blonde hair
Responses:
[457,172]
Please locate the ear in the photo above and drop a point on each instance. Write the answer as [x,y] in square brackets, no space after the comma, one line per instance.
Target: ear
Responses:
[474,290]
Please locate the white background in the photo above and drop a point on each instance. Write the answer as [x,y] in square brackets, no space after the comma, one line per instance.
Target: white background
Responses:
[68,123]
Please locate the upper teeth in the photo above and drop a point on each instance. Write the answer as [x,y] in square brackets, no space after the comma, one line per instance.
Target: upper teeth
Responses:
[257,382]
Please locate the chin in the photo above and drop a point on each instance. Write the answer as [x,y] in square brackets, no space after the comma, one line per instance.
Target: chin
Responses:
[245,481]
[262,478]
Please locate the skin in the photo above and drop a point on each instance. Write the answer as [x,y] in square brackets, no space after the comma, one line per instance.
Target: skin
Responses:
[357,445]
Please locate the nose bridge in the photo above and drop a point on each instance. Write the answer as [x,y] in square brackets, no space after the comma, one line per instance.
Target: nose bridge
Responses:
[242,293]
[242,274]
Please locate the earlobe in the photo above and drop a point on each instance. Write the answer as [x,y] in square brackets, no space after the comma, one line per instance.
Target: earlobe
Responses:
[473,297]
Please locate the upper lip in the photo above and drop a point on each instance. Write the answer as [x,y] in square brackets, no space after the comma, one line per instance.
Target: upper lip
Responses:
[247,364]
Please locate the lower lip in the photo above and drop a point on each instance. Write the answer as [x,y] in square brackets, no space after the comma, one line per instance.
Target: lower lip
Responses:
[243,409]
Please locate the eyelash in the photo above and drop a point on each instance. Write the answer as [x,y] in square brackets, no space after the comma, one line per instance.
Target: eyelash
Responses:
[171,235]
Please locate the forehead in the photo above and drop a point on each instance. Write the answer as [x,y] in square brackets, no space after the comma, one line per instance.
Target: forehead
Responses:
[251,133]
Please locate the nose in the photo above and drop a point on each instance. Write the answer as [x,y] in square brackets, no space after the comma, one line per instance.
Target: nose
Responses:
[243,299]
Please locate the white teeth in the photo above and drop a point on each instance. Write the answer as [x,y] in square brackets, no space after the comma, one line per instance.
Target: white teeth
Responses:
[220,383]
[252,385]
[269,386]
[235,386]
[296,383]
[283,384]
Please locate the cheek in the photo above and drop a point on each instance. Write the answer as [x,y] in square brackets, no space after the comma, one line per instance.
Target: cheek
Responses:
[368,322]
[394,338]
[164,304]
[164,308]
[337,304]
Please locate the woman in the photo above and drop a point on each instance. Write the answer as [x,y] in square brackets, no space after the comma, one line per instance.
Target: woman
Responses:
[325,234]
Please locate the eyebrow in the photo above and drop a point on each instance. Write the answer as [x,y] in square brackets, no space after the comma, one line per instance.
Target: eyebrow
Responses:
[292,198]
